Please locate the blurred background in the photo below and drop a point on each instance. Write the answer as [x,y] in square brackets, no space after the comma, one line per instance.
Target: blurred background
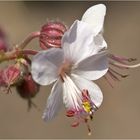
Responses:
[119,115]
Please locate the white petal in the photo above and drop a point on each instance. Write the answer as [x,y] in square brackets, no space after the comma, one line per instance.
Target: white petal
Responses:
[93,67]
[100,43]
[45,65]
[54,102]
[71,94]
[95,17]
[94,91]
[78,42]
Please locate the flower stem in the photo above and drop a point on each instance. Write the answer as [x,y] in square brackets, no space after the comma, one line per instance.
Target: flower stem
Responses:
[27,40]
[15,54]
[29,52]
[18,51]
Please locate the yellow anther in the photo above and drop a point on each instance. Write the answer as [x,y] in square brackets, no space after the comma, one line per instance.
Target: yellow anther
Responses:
[87,107]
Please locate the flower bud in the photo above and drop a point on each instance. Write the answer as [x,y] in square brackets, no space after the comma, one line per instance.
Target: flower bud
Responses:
[51,35]
[11,75]
[28,88]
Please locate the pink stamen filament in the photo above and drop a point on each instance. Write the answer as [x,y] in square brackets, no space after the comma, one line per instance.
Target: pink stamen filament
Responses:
[121,59]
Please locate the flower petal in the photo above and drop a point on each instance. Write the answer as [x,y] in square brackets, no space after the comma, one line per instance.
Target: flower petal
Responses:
[45,65]
[78,42]
[71,94]
[100,43]
[93,90]
[54,102]
[93,67]
[95,17]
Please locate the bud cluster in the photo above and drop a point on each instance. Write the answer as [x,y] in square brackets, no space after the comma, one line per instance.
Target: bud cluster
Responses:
[18,73]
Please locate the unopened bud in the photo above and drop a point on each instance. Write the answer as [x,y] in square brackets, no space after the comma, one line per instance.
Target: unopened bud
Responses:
[51,35]
[28,88]
[11,75]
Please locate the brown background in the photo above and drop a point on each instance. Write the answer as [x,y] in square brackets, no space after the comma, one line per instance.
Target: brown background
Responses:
[119,115]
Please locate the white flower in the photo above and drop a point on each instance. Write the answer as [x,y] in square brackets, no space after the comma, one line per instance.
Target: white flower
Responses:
[72,68]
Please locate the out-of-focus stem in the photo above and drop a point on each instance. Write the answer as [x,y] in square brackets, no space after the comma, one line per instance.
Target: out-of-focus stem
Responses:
[15,54]
[18,51]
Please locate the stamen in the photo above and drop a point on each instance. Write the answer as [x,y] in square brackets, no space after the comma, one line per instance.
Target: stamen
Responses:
[87,107]
[86,98]
[75,124]
[113,76]
[121,59]
[123,76]
[125,66]
[119,67]
[86,103]
[88,127]
[80,105]
[70,113]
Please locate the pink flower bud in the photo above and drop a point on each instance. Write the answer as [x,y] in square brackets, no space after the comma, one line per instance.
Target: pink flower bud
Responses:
[27,88]
[51,35]
[11,75]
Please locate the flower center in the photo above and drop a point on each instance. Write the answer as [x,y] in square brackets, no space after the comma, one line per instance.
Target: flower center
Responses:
[65,69]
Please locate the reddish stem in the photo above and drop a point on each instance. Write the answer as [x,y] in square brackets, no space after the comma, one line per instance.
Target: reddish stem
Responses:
[19,48]
[29,52]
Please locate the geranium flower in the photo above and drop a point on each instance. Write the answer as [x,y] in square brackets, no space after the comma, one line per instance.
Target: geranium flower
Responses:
[72,68]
